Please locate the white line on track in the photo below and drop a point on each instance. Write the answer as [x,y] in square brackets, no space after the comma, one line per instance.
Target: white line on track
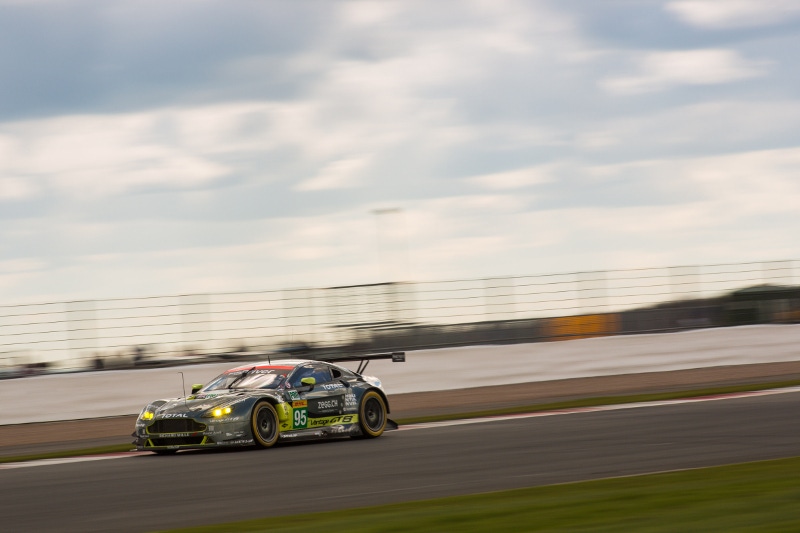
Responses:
[67,460]
[462,422]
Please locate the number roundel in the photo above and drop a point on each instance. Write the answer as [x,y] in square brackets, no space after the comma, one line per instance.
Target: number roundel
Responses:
[300,418]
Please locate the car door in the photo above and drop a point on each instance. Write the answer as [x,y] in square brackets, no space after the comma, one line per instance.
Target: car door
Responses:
[323,401]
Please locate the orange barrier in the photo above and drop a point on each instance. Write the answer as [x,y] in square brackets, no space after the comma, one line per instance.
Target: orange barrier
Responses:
[580,327]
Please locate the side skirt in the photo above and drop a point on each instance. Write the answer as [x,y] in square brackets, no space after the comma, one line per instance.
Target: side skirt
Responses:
[321,432]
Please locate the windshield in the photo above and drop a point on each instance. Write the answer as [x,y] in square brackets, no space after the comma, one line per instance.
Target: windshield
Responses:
[254,379]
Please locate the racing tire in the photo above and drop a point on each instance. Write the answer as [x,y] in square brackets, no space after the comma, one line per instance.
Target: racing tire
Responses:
[265,425]
[372,414]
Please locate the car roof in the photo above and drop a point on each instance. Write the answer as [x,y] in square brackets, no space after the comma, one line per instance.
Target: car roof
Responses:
[280,364]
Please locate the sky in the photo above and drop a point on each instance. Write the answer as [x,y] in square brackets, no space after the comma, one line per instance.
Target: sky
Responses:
[152,148]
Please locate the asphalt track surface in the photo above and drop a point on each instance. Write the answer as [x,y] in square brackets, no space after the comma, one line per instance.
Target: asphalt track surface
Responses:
[146,492]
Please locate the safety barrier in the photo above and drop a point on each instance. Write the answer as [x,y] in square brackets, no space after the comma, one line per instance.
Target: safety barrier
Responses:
[162,330]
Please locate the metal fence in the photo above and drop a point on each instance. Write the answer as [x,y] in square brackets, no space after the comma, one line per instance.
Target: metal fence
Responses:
[115,333]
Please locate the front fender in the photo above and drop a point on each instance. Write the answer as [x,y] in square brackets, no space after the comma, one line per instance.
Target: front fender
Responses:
[283,409]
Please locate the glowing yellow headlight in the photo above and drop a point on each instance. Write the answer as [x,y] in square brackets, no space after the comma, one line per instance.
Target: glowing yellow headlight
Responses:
[147,415]
[222,411]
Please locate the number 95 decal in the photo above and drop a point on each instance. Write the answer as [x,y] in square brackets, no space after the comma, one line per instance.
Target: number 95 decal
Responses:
[300,418]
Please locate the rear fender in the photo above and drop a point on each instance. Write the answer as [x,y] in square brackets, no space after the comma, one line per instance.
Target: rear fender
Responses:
[383,395]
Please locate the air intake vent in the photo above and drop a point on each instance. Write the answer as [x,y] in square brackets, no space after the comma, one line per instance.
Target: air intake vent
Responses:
[175,425]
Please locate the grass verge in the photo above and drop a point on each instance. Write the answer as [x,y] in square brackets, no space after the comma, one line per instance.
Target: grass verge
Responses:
[571,404]
[750,497]
[112,448]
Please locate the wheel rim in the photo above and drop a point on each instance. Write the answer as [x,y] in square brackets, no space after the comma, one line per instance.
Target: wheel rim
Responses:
[373,414]
[265,425]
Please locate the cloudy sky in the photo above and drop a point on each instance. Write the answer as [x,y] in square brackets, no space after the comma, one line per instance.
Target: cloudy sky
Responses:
[152,148]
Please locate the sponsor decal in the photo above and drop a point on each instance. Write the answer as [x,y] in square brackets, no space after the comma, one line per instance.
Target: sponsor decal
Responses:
[293,395]
[173,415]
[331,420]
[327,404]
[300,418]
[350,400]
[300,403]
[253,371]
[332,386]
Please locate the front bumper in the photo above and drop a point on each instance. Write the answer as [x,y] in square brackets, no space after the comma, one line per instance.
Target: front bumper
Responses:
[190,433]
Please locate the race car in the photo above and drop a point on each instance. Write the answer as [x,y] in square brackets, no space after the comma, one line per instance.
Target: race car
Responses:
[259,404]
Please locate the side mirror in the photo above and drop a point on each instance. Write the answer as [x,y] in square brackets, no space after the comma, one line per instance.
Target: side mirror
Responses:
[309,382]
[196,387]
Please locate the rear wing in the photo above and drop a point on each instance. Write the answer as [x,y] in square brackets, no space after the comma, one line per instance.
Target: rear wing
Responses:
[363,360]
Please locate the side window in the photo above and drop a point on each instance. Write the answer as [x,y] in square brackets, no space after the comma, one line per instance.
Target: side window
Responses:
[299,374]
[320,373]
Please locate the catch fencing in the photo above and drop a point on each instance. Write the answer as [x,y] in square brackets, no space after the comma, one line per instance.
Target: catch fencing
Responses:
[119,333]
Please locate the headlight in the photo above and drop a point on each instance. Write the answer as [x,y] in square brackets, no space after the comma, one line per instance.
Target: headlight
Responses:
[220,412]
[147,414]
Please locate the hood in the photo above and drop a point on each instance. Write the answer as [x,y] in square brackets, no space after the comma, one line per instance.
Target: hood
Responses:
[198,403]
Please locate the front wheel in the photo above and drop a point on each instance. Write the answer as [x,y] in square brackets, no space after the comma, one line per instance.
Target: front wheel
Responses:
[372,414]
[264,422]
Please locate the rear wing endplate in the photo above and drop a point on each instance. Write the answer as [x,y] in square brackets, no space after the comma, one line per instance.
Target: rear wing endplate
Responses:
[363,360]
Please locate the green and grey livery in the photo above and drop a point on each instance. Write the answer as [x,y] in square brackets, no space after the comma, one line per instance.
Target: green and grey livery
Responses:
[262,403]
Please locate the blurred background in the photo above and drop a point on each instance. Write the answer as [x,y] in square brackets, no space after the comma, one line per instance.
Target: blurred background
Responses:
[317,322]
[198,179]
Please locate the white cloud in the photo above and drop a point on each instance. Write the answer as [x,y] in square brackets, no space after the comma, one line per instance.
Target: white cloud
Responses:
[514,179]
[721,191]
[721,124]
[721,14]
[368,14]
[342,174]
[99,155]
[658,71]
[12,188]
[431,91]
[21,265]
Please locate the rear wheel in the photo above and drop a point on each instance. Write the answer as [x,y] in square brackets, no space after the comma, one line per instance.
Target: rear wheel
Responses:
[264,422]
[372,414]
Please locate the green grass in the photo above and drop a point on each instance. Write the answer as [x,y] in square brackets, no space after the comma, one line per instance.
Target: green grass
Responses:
[571,404]
[751,497]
